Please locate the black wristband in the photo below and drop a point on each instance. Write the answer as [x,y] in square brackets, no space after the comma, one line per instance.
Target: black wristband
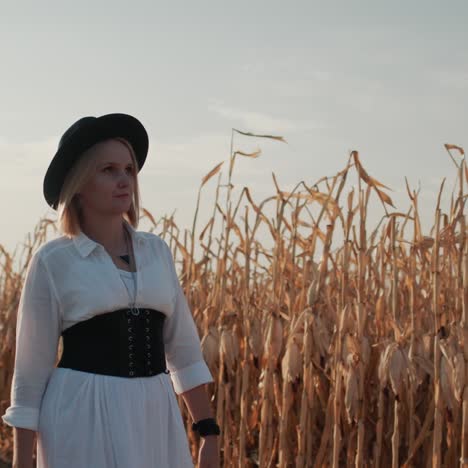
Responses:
[206,427]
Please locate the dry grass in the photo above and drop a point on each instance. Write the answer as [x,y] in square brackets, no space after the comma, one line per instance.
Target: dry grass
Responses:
[358,359]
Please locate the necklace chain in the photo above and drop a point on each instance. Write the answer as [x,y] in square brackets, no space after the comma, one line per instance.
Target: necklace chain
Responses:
[132,305]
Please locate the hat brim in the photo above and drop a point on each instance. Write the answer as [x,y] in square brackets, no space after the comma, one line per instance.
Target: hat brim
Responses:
[91,132]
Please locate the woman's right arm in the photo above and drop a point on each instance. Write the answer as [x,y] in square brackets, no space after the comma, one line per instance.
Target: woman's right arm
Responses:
[24,442]
[38,328]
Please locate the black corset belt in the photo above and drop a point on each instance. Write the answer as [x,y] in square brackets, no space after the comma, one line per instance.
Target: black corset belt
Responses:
[123,343]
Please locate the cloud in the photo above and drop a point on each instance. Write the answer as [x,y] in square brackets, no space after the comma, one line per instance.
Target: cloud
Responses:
[193,154]
[197,156]
[258,122]
[285,66]
[35,154]
[454,79]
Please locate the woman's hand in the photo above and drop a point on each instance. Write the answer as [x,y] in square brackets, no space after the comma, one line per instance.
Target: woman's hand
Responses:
[208,456]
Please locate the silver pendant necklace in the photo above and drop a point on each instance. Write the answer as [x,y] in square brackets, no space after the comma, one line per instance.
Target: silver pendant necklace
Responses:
[134,310]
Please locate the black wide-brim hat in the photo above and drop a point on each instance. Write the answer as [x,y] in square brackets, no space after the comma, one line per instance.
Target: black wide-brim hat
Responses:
[83,134]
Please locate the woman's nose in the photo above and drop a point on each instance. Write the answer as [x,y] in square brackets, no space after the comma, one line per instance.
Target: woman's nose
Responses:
[125,179]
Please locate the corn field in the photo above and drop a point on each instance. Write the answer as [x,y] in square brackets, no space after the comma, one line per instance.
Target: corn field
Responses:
[358,359]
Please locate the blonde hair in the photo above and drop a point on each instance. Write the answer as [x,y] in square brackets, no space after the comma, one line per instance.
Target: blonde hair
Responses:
[69,211]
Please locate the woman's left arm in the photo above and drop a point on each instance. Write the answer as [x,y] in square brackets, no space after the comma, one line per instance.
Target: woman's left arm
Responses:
[197,402]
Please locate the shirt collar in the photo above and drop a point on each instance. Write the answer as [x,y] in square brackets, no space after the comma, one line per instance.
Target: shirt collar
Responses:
[86,245]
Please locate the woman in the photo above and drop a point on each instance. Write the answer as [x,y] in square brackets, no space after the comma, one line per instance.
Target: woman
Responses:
[113,293]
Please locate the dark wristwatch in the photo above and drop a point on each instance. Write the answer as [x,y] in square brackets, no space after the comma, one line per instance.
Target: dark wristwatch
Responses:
[206,427]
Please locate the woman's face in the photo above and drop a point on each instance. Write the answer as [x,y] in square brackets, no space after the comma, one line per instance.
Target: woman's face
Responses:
[113,176]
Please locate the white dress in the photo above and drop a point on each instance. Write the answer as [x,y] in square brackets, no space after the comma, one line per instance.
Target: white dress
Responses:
[120,422]
[86,420]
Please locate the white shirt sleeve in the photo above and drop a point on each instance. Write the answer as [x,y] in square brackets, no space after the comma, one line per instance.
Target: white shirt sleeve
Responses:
[38,329]
[184,356]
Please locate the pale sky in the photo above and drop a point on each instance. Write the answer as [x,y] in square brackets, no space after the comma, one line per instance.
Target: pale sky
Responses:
[389,80]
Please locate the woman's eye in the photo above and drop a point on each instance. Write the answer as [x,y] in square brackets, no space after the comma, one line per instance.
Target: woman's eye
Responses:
[129,169]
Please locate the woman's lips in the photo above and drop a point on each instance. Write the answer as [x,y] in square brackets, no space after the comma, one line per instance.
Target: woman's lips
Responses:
[122,196]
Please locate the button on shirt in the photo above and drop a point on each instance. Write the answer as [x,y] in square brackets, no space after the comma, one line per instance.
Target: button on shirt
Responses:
[70,280]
